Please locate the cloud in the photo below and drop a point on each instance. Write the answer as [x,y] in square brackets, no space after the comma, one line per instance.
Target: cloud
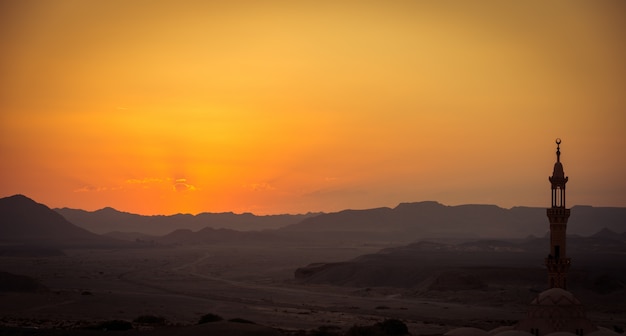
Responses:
[90,188]
[181,185]
[146,180]
[177,184]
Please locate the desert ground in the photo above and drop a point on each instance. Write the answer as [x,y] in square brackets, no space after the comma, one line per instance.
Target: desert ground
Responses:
[254,282]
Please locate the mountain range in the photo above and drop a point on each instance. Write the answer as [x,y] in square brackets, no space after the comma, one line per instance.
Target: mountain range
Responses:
[407,220]
[108,220]
[26,222]
[434,220]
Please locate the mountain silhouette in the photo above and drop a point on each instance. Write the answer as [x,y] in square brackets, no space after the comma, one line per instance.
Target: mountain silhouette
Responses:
[26,222]
[610,235]
[25,219]
[110,220]
[412,221]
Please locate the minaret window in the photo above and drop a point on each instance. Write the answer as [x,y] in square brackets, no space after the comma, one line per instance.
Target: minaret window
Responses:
[558,197]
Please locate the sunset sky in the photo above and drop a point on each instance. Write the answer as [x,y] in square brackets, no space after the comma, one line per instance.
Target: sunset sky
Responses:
[161,107]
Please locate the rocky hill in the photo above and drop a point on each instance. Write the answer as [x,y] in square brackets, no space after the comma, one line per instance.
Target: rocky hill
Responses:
[24,222]
[598,264]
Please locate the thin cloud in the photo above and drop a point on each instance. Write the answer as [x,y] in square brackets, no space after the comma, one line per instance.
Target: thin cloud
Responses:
[90,188]
[146,180]
[177,184]
[181,185]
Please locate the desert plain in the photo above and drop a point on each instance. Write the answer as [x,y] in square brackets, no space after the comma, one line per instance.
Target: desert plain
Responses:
[249,282]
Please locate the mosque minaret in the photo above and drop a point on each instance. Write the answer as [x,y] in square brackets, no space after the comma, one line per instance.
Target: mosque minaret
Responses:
[557,261]
[556,309]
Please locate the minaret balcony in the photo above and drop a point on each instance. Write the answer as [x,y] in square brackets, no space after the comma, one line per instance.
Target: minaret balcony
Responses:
[561,212]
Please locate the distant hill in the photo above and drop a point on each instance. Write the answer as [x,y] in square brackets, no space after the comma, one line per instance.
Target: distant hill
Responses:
[210,235]
[611,235]
[110,220]
[412,221]
[28,223]
[430,265]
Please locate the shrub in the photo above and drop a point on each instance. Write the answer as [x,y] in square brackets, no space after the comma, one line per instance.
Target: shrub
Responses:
[208,318]
[393,327]
[365,331]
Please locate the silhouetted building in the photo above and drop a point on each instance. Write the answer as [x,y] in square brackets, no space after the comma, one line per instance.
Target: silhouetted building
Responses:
[556,309]
[557,261]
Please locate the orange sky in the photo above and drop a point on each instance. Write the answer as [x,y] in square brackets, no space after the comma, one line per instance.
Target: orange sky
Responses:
[160,107]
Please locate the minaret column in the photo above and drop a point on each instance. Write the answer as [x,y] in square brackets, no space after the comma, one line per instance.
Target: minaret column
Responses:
[557,261]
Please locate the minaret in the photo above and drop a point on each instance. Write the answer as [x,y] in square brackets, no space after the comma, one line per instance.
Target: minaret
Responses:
[557,262]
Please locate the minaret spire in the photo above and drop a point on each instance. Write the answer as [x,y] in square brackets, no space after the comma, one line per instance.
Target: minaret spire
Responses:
[557,261]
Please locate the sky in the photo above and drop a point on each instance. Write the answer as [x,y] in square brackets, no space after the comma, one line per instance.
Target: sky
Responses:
[162,107]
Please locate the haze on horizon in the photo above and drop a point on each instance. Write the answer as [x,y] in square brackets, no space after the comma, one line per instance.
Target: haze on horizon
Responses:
[290,107]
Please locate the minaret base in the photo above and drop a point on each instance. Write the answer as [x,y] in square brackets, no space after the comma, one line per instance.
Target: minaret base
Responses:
[556,310]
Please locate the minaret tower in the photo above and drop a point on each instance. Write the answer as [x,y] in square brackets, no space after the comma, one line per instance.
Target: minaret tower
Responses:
[557,262]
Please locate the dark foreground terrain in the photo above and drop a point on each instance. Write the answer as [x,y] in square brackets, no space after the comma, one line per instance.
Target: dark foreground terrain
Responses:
[164,290]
